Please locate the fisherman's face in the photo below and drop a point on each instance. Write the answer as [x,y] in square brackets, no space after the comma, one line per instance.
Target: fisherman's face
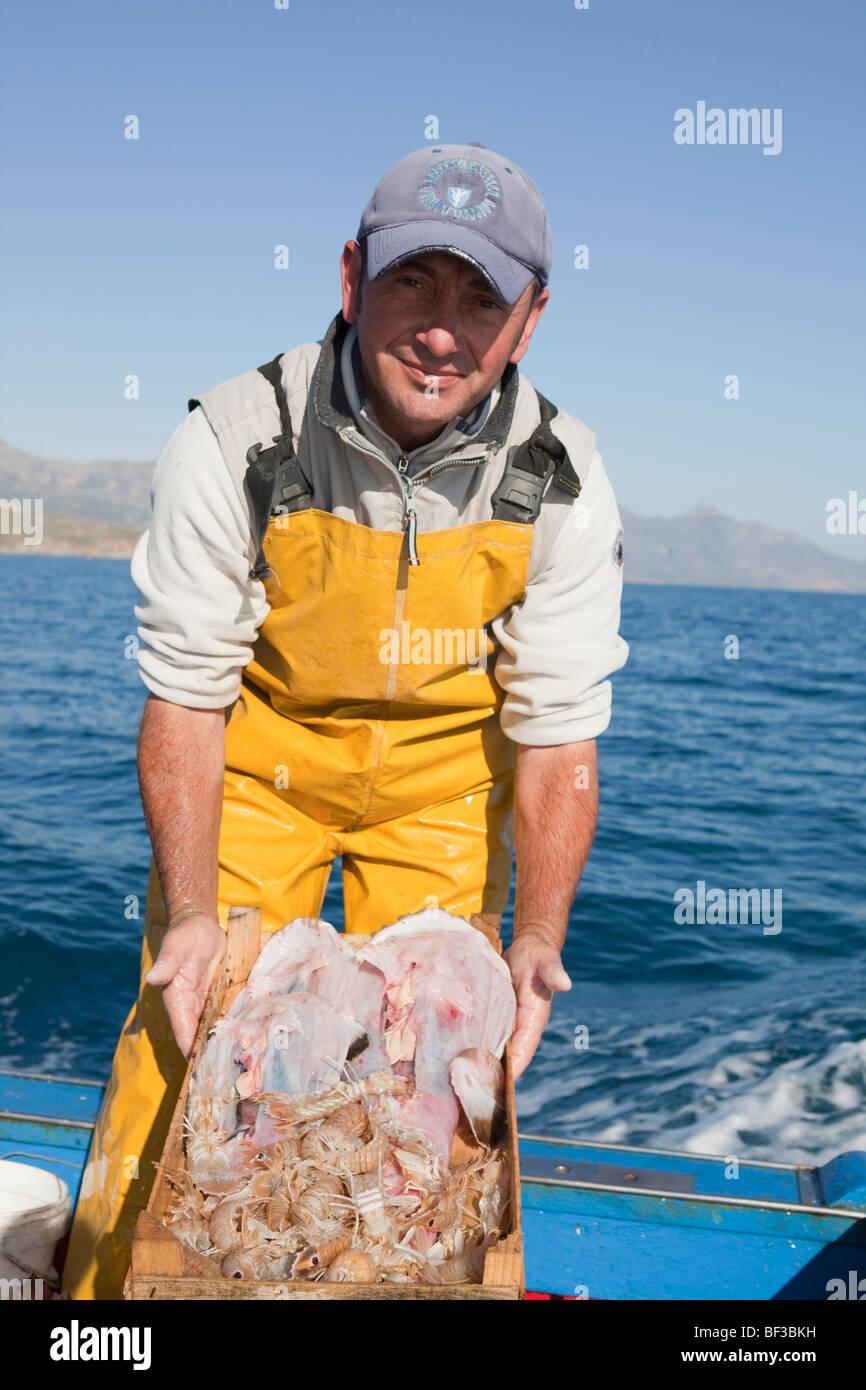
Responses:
[434,338]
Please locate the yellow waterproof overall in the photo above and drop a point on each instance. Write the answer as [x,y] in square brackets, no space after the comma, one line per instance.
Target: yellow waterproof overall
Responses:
[367,728]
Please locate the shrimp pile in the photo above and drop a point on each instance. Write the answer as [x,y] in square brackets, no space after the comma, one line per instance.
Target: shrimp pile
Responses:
[322,1113]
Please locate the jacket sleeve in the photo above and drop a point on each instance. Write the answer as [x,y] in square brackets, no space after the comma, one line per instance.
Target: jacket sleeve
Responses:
[199,611]
[561,642]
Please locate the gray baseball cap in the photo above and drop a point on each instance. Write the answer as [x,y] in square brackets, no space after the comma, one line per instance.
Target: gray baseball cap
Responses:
[467,200]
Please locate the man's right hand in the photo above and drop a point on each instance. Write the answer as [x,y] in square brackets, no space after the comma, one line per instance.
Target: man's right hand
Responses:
[185,967]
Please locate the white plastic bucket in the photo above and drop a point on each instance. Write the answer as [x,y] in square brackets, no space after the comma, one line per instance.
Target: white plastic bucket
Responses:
[34,1215]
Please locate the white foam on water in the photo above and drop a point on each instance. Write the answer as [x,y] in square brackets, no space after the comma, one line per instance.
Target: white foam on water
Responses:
[782,1083]
[803,1111]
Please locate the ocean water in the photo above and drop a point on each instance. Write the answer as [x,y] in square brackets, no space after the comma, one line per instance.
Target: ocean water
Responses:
[741,772]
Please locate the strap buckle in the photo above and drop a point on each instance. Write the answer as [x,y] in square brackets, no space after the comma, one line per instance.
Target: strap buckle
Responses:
[290,491]
[520,490]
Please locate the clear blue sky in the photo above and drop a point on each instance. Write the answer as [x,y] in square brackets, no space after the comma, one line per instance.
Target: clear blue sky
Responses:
[261,126]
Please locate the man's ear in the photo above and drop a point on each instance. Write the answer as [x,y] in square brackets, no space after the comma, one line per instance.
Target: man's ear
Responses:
[529,326]
[351,274]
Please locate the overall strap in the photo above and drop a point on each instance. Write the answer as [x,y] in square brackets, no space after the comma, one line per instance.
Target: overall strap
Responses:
[273,372]
[274,481]
[528,468]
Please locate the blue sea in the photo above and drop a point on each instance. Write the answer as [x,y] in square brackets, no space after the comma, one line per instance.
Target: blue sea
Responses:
[733,771]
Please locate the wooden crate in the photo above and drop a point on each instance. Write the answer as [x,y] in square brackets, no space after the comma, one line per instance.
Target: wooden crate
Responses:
[159,1267]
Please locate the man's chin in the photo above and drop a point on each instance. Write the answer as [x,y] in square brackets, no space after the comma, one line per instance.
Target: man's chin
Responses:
[418,421]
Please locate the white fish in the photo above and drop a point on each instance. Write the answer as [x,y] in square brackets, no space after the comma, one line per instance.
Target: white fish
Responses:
[479,1084]
[427,998]
[447,993]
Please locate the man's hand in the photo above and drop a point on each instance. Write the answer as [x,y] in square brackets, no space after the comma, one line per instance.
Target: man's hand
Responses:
[537,972]
[185,966]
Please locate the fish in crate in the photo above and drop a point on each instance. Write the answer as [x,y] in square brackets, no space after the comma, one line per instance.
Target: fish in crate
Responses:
[322,1112]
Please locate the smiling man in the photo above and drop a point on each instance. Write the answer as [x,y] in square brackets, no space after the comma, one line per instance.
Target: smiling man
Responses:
[400,477]
[418,381]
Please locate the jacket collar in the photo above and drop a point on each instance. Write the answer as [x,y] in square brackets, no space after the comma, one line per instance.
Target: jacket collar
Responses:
[331,403]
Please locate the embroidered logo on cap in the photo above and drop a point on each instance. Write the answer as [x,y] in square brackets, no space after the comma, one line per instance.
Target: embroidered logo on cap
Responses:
[474,196]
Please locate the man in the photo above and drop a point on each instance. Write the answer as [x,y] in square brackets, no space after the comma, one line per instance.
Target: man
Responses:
[354,636]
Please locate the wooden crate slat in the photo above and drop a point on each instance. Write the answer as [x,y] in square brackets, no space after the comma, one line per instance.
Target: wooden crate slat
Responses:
[154,1249]
[243,943]
[143,1287]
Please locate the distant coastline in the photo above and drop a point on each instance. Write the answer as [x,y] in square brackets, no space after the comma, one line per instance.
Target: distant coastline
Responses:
[77,536]
[76,540]
[99,510]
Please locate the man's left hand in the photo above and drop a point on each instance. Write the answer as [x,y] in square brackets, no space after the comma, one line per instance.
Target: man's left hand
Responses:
[537,972]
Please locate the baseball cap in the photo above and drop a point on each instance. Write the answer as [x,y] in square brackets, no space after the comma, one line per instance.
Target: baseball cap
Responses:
[467,200]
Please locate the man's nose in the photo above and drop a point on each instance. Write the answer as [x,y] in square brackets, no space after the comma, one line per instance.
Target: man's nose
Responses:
[442,334]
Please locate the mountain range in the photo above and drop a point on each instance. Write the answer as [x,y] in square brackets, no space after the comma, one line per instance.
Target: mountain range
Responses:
[100,509]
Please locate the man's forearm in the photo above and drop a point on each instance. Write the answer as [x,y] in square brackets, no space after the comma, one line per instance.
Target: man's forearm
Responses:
[555,809]
[555,812]
[181,759]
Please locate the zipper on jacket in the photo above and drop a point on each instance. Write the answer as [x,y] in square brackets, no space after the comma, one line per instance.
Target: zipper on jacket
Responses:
[428,473]
[409,486]
[450,463]
[411,525]
[410,520]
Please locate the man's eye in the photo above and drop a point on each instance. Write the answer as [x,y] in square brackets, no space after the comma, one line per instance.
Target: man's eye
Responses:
[490,304]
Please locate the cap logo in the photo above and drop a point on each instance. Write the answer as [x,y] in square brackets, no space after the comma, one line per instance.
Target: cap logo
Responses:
[473,197]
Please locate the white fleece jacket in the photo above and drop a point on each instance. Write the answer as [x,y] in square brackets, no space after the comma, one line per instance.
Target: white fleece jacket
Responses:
[200,611]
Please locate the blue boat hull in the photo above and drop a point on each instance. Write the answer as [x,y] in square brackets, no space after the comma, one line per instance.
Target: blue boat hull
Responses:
[599,1221]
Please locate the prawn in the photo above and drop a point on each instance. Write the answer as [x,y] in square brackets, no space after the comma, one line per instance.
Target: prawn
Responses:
[313,1261]
[353,1267]
[291,1110]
